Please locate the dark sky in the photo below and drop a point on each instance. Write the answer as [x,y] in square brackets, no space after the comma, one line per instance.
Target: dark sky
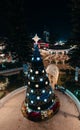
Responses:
[55,16]
[38,15]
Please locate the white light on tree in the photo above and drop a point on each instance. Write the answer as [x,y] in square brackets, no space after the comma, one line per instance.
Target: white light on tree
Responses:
[36,85]
[46,82]
[45,100]
[28,83]
[38,108]
[27,94]
[42,71]
[2,55]
[52,100]
[32,90]
[47,75]
[32,102]
[32,58]
[43,91]
[27,104]
[38,97]
[37,72]
[32,78]
[38,58]
[50,92]
[28,75]
[29,110]
[31,70]
[41,79]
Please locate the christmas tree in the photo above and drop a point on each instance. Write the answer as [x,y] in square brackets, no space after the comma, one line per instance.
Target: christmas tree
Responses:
[40,102]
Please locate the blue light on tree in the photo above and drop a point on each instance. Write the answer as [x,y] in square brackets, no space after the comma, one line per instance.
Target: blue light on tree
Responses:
[38,58]
[41,79]
[32,101]
[38,97]
[43,91]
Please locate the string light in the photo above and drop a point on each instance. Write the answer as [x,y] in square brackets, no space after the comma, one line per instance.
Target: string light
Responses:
[38,97]
[28,83]
[52,100]
[43,91]
[46,82]
[38,58]
[28,75]
[27,94]
[32,78]
[27,105]
[37,72]
[50,92]
[29,110]
[32,58]
[45,100]
[41,79]
[38,108]
[36,85]
[31,70]
[32,90]
[42,71]
[47,75]
[32,102]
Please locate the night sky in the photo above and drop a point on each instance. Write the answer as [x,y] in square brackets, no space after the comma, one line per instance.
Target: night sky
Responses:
[39,15]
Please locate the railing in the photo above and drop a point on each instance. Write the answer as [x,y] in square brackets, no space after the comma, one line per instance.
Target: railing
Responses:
[10,70]
[72,96]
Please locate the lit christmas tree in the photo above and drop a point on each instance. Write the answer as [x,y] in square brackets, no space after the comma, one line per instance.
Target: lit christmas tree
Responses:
[40,102]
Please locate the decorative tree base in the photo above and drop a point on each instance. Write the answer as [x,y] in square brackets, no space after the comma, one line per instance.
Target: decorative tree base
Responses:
[42,115]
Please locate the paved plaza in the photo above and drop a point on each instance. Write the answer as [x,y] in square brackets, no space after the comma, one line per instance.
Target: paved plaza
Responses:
[11,117]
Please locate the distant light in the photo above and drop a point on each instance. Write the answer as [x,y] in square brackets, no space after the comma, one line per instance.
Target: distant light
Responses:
[60,41]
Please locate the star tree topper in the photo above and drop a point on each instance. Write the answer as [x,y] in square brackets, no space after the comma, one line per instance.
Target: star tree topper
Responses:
[36,39]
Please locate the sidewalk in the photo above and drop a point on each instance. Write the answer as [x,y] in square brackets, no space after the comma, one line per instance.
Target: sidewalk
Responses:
[11,117]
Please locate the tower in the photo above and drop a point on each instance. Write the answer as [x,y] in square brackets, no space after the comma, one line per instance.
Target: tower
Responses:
[40,102]
[46,36]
